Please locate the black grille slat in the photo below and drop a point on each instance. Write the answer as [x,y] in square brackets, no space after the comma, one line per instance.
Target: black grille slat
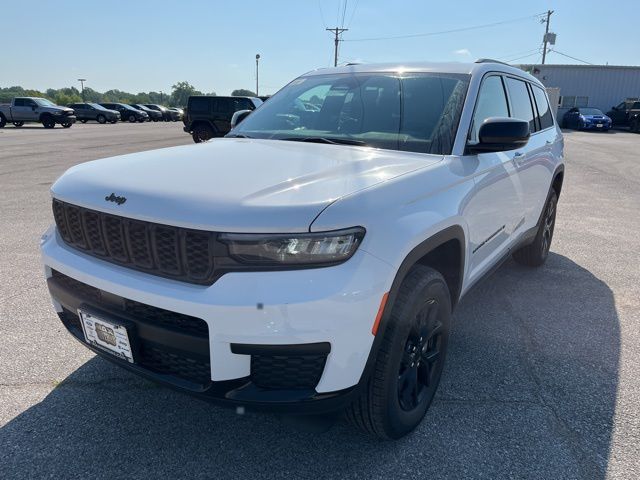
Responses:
[74,224]
[198,255]
[114,235]
[166,244]
[93,232]
[163,250]
[139,245]
[61,221]
[165,362]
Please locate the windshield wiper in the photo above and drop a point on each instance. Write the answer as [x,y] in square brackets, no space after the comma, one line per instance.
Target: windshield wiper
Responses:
[237,135]
[332,141]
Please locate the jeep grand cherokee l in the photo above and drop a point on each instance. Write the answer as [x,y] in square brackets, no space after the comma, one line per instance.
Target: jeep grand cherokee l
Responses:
[310,261]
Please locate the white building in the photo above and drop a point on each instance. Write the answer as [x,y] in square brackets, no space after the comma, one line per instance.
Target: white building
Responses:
[599,86]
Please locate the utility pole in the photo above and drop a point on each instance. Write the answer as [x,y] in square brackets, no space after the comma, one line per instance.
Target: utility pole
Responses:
[546,35]
[257,59]
[336,31]
[82,80]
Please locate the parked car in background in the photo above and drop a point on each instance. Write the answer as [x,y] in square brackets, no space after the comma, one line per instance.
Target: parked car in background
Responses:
[153,114]
[127,112]
[166,114]
[177,114]
[586,118]
[622,113]
[634,122]
[210,116]
[94,111]
[310,262]
[23,110]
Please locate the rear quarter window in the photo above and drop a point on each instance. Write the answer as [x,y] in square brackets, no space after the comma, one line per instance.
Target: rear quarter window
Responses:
[544,112]
[199,105]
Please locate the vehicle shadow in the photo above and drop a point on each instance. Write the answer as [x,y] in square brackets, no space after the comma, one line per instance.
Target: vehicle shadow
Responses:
[529,391]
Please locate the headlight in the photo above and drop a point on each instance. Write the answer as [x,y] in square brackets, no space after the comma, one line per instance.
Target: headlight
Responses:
[297,249]
[58,112]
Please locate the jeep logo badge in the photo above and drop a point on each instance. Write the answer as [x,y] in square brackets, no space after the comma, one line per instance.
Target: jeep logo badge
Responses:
[115,199]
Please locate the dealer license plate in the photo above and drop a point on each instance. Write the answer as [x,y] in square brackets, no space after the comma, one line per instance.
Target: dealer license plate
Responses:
[599,125]
[106,335]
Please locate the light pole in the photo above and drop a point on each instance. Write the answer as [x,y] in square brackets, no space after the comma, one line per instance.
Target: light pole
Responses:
[82,80]
[257,71]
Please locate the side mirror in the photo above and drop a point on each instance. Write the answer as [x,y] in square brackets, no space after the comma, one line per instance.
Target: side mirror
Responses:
[500,135]
[239,116]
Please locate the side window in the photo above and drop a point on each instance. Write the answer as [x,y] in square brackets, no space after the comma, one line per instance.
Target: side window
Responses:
[199,105]
[544,112]
[520,102]
[19,102]
[568,102]
[491,102]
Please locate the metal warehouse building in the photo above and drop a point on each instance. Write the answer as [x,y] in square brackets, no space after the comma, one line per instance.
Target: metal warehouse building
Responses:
[599,86]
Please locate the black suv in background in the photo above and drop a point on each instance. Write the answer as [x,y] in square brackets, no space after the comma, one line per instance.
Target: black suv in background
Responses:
[153,114]
[167,115]
[94,111]
[127,112]
[207,117]
[622,113]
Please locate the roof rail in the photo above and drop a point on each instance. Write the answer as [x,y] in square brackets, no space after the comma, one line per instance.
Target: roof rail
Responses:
[490,60]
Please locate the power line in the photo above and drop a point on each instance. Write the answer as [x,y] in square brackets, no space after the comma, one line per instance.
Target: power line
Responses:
[524,56]
[322,14]
[344,12]
[442,32]
[524,52]
[569,56]
[353,12]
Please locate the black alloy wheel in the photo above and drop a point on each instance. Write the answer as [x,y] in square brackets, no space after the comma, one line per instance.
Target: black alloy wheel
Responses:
[132,118]
[101,119]
[421,362]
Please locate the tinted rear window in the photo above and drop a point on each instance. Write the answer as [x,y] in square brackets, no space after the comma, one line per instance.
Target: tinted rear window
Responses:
[545,116]
[520,102]
[199,105]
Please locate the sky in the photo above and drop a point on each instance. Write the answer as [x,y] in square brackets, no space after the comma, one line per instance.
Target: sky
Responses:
[144,45]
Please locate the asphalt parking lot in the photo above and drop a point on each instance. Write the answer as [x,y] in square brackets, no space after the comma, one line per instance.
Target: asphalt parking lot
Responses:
[541,381]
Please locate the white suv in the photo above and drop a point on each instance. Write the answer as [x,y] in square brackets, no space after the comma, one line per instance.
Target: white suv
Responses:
[310,261]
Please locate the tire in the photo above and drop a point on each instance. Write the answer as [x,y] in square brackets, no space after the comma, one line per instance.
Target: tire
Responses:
[3,121]
[536,253]
[409,360]
[155,119]
[113,121]
[48,121]
[202,132]
[132,118]
[101,119]
[634,126]
[141,120]
[66,125]
[18,124]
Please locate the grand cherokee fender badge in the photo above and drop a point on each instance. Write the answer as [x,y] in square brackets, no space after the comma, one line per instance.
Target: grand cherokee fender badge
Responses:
[115,199]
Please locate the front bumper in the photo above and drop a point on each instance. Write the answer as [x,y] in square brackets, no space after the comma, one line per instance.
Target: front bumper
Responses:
[60,119]
[244,313]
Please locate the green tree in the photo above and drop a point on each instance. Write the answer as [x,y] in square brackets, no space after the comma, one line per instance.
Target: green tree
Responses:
[181,93]
[243,92]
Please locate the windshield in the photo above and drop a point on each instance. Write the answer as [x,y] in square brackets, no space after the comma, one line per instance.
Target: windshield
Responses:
[416,112]
[44,102]
[141,107]
[590,111]
[97,107]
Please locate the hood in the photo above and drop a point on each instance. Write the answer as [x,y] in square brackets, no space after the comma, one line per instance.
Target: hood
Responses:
[59,108]
[233,184]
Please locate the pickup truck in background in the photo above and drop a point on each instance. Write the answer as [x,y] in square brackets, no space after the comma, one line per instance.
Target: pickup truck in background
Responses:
[33,109]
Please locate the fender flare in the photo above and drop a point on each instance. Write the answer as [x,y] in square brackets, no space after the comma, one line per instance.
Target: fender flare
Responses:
[453,232]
